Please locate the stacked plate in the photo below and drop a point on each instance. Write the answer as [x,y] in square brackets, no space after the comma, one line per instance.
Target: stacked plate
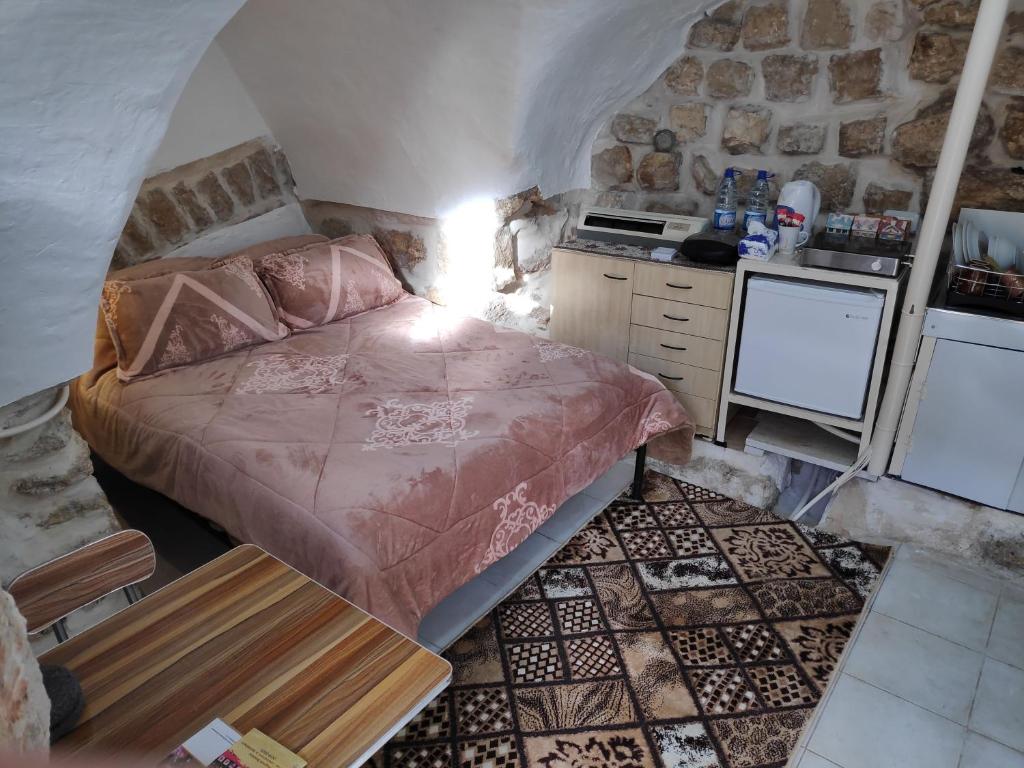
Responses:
[971,244]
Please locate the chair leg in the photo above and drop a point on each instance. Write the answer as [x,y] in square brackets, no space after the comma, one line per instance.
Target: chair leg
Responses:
[133,593]
[637,492]
[60,630]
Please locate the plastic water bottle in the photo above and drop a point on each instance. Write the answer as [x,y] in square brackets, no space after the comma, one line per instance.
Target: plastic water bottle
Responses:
[725,205]
[757,202]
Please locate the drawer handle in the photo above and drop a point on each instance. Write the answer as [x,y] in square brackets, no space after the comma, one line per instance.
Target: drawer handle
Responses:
[678,349]
[678,319]
[671,378]
[615,277]
[680,287]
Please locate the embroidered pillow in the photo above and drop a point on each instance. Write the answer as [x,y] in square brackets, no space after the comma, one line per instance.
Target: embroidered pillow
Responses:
[186,317]
[330,281]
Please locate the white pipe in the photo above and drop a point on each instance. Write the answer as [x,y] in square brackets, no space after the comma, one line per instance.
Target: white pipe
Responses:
[838,432]
[52,411]
[834,486]
[984,41]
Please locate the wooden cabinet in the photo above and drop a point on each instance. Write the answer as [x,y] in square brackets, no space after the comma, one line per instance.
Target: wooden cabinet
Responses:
[591,302]
[669,320]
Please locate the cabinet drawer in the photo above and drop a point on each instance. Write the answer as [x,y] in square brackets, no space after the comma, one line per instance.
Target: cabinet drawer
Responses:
[678,316]
[695,286]
[678,347]
[701,409]
[679,377]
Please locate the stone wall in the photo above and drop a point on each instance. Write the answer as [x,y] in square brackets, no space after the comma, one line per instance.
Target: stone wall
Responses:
[515,294]
[851,95]
[50,503]
[177,206]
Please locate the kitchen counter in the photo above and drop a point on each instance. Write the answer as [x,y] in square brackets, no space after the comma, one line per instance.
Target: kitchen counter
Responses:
[637,253]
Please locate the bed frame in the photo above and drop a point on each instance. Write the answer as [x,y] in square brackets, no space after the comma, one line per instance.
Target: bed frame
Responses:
[187,541]
[456,614]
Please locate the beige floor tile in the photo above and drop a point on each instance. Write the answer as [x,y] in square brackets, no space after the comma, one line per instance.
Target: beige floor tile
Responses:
[916,665]
[926,598]
[1006,642]
[866,727]
[980,752]
[999,705]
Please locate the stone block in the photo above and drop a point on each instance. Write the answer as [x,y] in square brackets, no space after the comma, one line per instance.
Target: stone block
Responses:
[917,143]
[163,215]
[885,22]
[704,176]
[765,27]
[953,14]
[801,139]
[826,25]
[135,237]
[719,31]
[684,76]
[1012,132]
[937,57]
[333,227]
[860,138]
[261,164]
[689,121]
[878,199]
[612,167]
[534,239]
[71,466]
[24,705]
[836,183]
[989,187]
[746,129]
[788,77]
[1008,70]
[189,202]
[659,172]
[239,181]
[729,79]
[856,76]
[634,129]
[216,197]
[405,249]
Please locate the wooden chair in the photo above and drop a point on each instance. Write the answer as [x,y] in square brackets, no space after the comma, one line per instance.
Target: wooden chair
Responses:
[46,594]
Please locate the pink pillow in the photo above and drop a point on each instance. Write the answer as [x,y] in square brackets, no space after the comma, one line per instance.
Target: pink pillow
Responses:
[329,281]
[182,318]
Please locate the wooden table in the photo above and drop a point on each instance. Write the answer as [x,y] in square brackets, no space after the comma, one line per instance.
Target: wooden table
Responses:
[249,640]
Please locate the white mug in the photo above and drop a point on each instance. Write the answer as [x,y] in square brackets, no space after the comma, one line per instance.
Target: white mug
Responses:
[791,238]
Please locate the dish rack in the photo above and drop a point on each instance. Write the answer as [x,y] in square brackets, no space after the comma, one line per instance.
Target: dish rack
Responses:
[974,285]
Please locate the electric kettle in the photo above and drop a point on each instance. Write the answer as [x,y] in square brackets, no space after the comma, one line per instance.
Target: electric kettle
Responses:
[803,197]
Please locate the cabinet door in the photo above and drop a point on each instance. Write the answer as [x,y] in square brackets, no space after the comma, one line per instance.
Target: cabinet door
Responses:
[967,436]
[590,305]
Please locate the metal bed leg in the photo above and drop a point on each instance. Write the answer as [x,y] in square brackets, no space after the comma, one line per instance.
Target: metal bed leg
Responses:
[60,630]
[637,491]
[133,593]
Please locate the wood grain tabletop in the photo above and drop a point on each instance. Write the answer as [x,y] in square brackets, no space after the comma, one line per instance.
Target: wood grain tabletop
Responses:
[249,640]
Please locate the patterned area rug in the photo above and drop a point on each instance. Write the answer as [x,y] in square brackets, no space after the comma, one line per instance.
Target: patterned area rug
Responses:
[688,631]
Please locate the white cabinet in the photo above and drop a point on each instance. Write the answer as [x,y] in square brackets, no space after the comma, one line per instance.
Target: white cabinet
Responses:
[968,435]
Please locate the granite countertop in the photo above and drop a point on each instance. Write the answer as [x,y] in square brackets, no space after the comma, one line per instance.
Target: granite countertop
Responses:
[637,253]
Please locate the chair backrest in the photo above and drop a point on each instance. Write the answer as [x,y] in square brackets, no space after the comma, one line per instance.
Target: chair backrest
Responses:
[49,592]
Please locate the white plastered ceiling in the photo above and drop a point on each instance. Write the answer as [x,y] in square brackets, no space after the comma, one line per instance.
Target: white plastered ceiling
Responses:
[403,105]
[418,107]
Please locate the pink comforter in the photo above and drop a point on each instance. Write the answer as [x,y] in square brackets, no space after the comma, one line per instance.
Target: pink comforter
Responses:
[391,456]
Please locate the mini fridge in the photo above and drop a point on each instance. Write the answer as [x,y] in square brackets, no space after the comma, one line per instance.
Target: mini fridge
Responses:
[808,345]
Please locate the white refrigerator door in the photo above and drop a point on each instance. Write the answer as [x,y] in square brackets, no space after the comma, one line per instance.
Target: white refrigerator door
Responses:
[808,345]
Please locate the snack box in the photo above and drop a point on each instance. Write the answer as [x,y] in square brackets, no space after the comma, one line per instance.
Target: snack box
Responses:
[839,223]
[893,228]
[866,226]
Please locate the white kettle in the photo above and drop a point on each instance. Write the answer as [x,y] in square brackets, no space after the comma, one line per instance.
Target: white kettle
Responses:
[803,197]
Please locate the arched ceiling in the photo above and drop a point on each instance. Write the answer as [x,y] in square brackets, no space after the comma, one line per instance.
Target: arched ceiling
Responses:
[406,105]
[417,107]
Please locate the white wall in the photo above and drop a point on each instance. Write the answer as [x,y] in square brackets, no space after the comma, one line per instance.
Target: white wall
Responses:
[86,90]
[214,113]
[417,107]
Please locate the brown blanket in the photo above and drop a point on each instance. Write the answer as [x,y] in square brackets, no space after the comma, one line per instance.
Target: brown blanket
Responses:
[391,456]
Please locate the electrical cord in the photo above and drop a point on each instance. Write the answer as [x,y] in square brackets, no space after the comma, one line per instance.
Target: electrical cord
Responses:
[840,481]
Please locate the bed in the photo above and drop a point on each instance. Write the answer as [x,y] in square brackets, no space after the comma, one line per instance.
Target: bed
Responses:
[392,455]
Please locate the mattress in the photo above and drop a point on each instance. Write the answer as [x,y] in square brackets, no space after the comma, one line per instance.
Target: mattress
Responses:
[391,456]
